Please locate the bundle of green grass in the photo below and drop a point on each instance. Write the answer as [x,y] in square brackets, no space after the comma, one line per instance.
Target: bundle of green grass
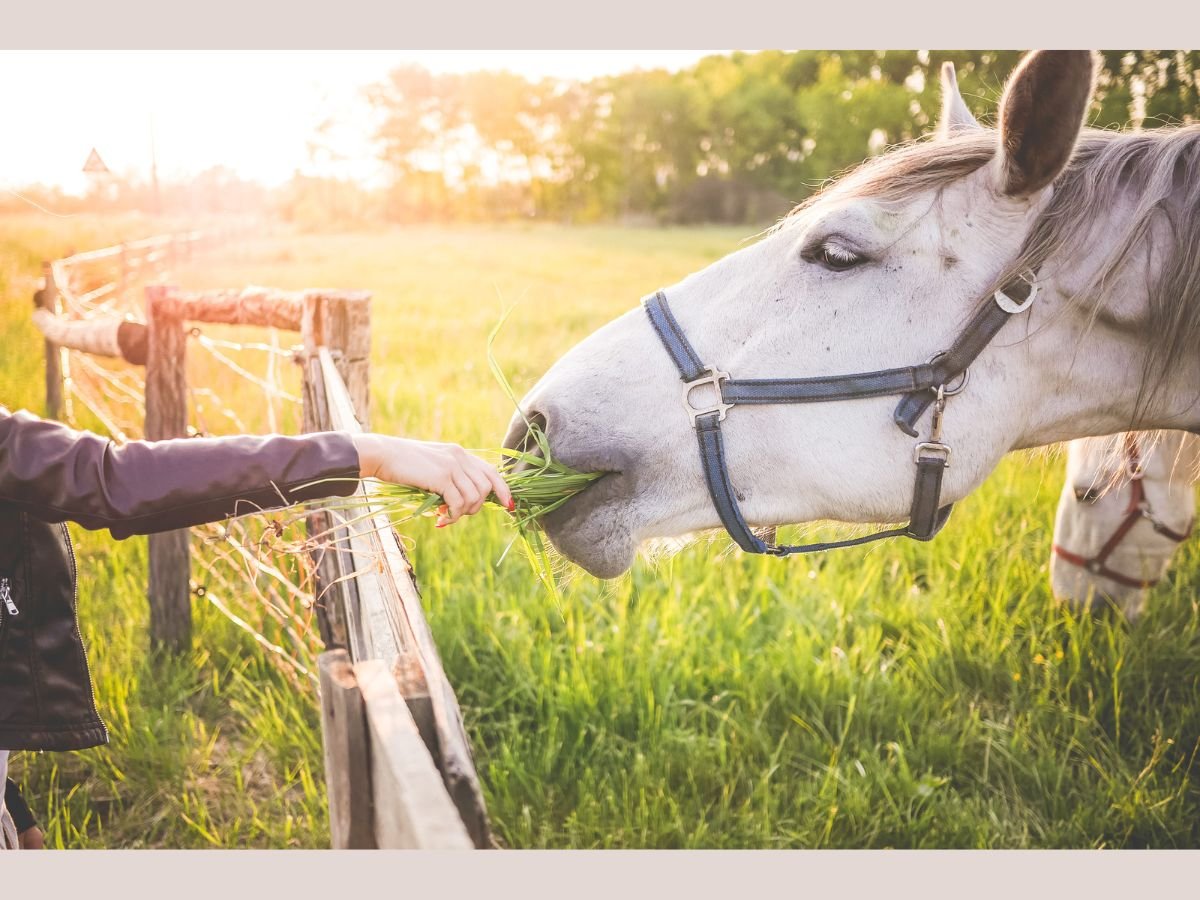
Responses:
[538,482]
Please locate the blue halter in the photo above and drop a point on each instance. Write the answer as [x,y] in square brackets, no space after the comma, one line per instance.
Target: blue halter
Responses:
[921,386]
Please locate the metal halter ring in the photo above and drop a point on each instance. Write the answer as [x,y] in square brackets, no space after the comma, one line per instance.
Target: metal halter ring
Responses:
[946,390]
[1011,306]
[713,379]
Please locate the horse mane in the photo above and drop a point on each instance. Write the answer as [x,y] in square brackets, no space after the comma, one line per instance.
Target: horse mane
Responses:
[1159,169]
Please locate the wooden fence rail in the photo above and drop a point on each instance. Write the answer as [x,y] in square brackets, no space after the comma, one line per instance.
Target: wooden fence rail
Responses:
[384,621]
[58,295]
[168,312]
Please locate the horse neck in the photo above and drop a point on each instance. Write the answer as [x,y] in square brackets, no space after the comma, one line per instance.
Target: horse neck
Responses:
[1108,306]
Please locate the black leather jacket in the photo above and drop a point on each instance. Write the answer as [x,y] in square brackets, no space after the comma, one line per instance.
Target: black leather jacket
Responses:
[51,474]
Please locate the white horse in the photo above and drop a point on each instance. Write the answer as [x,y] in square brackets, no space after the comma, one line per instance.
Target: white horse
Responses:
[882,269]
[1126,506]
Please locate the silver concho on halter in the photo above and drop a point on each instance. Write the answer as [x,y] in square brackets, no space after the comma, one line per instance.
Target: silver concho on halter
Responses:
[1011,306]
[714,378]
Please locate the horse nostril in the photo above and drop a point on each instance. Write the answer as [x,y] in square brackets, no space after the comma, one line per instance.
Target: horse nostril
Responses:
[542,424]
[1086,495]
[519,437]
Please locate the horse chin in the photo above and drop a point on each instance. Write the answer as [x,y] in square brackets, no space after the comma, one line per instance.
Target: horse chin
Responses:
[594,530]
[1085,592]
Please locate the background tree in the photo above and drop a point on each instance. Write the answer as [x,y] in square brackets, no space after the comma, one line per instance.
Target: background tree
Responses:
[737,137]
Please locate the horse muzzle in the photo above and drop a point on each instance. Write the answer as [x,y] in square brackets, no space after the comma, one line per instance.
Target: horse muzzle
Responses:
[594,528]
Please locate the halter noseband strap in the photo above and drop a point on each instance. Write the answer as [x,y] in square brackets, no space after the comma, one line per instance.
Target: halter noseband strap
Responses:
[922,386]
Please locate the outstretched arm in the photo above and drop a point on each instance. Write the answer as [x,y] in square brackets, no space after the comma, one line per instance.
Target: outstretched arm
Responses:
[59,474]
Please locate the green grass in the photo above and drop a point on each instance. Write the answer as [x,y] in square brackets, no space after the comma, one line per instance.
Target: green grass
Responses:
[907,695]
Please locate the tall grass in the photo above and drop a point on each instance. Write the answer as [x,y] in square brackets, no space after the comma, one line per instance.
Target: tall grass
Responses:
[907,695]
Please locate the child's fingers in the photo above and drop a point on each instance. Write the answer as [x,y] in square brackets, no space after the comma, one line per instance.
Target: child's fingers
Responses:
[469,482]
[482,483]
[499,486]
[454,503]
[469,494]
[475,491]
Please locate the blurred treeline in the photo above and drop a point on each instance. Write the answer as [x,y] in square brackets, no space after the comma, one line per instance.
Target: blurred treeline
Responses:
[735,138]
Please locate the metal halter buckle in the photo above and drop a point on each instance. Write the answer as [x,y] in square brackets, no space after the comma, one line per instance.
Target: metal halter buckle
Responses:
[934,444]
[1011,306]
[714,378]
[923,448]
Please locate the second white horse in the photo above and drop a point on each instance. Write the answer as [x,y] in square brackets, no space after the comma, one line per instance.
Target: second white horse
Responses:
[1126,505]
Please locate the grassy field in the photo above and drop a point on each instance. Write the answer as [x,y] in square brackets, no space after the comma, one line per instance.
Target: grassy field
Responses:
[900,695]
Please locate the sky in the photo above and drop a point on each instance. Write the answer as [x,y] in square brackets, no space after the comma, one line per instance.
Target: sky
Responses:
[254,112]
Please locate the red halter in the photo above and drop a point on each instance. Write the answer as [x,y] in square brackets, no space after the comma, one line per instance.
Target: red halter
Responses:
[1139,508]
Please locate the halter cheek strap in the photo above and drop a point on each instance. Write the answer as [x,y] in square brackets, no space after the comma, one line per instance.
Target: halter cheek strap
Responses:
[922,386]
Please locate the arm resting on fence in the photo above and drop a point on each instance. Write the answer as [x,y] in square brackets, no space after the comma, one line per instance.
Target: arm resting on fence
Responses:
[58,474]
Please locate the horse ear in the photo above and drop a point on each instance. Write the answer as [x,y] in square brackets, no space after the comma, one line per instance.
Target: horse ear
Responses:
[1041,114]
[955,115]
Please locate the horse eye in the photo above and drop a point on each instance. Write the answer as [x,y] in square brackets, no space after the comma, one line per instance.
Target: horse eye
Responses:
[835,257]
[1086,495]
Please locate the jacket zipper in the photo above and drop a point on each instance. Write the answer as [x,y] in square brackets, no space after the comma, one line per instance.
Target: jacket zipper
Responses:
[82,643]
[6,597]
[6,600]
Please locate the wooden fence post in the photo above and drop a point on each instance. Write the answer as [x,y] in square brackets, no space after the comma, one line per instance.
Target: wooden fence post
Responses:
[388,624]
[347,754]
[412,807]
[47,298]
[169,590]
[331,590]
[344,325]
[342,322]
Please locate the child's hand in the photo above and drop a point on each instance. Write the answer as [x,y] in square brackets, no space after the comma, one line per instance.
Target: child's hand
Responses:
[463,481]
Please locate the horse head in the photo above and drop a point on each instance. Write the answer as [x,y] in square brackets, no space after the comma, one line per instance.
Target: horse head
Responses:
[883,268]
[1125,507]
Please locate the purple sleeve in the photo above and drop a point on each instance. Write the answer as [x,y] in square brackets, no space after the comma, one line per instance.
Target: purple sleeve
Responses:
[59,474]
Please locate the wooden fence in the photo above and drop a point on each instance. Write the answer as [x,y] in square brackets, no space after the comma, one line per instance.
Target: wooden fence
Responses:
[398,762]
[131,262]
